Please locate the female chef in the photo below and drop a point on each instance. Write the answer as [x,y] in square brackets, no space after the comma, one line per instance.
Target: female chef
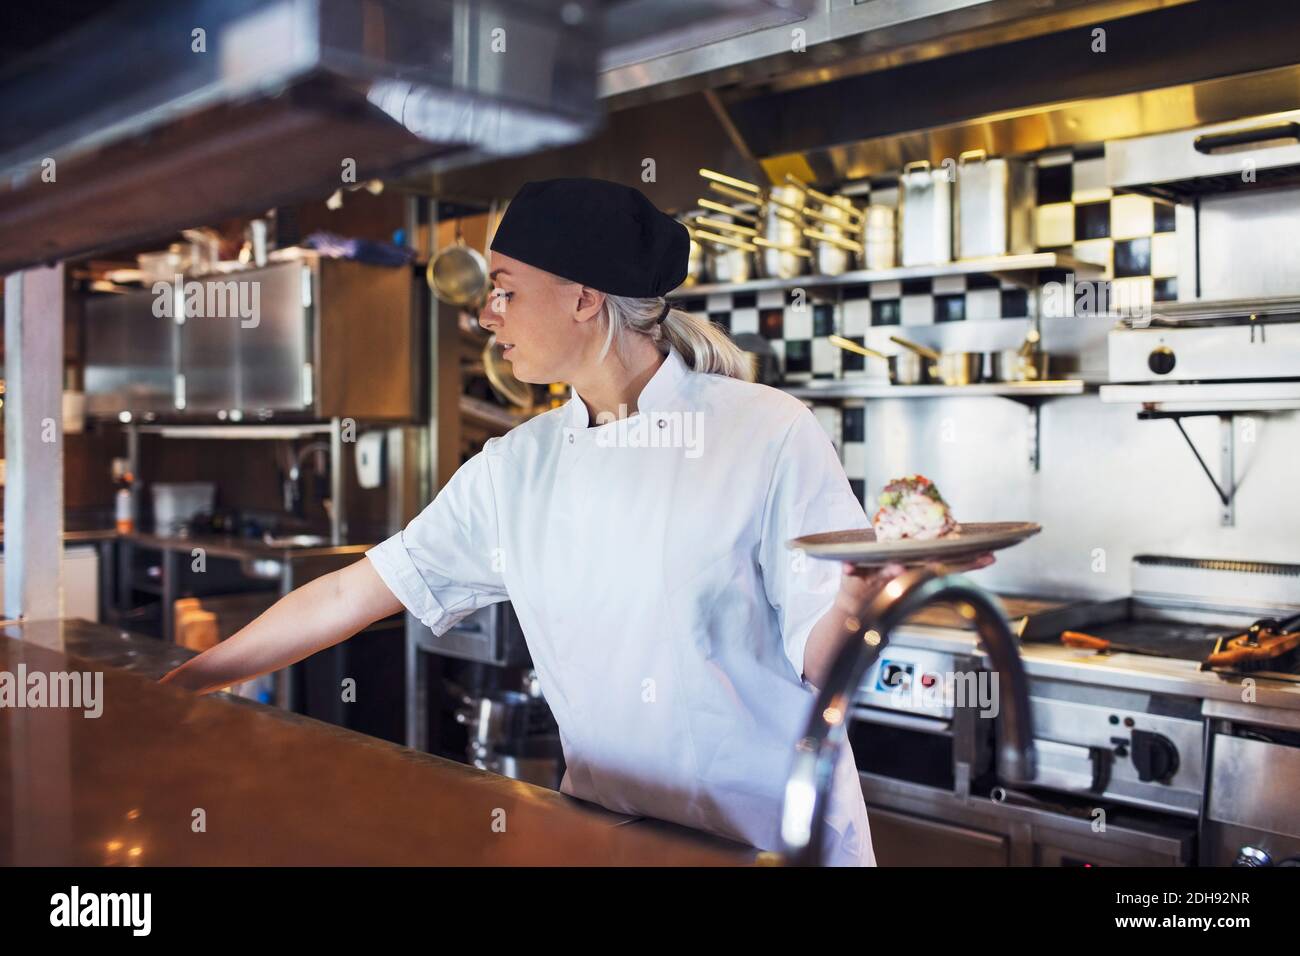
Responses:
[639,531]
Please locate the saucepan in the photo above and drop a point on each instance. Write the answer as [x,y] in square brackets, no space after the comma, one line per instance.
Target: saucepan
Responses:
[837,228]
[950,368]
[1025,364]
[730,255]
[905,368]
[778,222]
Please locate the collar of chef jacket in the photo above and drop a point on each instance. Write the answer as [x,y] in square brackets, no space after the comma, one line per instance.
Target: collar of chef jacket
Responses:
[655,396]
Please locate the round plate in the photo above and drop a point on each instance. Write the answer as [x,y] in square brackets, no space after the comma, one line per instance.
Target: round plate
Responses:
[860,546]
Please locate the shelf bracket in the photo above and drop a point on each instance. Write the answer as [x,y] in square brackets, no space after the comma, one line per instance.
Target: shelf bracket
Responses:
[1225,486]
[1033,429]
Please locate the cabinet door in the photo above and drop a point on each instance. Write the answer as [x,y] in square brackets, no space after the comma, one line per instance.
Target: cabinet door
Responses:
[209,336]
[245,344]
[130,355]
[901,839]
[273,351]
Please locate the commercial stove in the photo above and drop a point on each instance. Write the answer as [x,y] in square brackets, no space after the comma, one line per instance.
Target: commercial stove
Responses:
[1153,756]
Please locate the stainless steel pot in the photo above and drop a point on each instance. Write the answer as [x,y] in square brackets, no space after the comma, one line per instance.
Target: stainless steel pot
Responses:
[904,368]
[784,255]
[925,204]
[835,229]
[776,224]
[728,246]
[880,238]
[950,368]
[994,206]
[1025,364]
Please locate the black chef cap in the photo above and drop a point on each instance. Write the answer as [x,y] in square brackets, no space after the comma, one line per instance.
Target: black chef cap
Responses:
[601,234]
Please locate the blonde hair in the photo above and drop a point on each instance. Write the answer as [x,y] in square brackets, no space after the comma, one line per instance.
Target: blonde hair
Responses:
[705,347]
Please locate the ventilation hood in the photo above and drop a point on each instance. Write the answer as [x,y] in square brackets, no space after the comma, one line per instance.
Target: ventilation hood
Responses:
[836,90]
[157,117]
[1023,78]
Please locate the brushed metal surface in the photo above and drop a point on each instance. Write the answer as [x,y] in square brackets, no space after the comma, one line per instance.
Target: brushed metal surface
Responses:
[1211,352]
[1247,241]
[993,209]
[269,356]
[1253,783]
[287,790]
[1169,157]
[1109,486]
[130,354]
[1086,724]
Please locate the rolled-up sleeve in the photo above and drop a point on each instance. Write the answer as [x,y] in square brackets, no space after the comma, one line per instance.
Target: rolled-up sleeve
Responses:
[809,494]
[446,563]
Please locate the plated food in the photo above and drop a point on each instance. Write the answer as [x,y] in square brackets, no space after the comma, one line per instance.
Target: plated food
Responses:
[914,526]
[860,547]
[911,508]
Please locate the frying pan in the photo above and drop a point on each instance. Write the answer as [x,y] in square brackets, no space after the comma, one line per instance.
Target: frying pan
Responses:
[905,368]
[458,275]
[519,395]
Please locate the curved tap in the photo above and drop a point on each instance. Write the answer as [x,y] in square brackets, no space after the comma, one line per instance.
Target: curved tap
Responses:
[809,785]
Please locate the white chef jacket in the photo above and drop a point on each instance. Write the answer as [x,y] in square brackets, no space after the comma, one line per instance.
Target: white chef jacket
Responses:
[646,560]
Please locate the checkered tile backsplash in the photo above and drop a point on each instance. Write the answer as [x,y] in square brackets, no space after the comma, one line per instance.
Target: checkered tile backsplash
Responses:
[1130,237]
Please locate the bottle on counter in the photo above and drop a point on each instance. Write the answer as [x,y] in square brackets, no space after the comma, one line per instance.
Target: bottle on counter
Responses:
[124,505]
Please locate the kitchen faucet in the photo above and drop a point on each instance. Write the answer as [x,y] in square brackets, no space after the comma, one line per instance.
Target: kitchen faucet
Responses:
[808,787]
[292,486]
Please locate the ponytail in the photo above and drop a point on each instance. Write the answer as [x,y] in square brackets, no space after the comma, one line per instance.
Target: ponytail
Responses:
[704,346]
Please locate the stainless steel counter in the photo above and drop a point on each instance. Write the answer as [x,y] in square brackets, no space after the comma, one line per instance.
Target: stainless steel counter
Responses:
[271,787]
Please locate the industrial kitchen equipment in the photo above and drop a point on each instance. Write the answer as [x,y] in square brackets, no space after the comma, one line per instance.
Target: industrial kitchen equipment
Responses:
[808,788]
[1148,735]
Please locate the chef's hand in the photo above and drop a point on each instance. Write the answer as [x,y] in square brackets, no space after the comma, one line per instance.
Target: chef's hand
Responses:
[860,585]
[858,588]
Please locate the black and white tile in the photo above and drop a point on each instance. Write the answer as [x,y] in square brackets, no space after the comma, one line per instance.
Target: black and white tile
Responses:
[1131,237]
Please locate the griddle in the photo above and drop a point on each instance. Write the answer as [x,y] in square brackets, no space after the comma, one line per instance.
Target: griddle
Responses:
[1177,639]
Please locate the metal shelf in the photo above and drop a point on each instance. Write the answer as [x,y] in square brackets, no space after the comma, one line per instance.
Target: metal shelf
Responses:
[1031,395]
[1020,391]
[1029,262]
[1279,395]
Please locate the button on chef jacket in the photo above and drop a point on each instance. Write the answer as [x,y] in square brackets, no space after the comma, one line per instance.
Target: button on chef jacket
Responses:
[646,560]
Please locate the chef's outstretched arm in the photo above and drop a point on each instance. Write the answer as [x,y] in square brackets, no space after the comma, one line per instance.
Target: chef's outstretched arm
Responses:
[320,614]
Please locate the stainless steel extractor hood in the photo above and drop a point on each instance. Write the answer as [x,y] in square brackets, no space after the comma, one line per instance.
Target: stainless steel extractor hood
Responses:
[836,90]
[157,117]
[853,90]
